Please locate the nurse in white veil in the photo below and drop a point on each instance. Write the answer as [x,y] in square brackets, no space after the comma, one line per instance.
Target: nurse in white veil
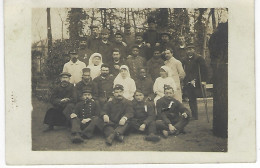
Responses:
[95,62]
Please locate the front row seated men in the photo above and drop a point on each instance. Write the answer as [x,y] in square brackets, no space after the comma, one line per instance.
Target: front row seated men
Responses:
[172,115]
[118,114]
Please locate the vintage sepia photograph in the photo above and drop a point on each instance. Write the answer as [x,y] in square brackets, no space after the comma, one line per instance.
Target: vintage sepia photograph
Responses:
[129,79]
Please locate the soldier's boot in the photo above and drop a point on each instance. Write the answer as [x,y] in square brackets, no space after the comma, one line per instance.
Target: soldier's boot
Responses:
[76,138]
[152,137]
[119,137]
[165,133]
[110,139]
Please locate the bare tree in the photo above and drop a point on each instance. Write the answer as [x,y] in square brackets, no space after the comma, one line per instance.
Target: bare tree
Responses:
[49,35]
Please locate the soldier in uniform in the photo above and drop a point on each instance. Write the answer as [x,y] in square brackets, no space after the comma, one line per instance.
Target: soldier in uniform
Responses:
[129,38]
[104,84]
[135,62]
[143,49]
[144,117]
[172,115]
[84,52]
[63,96]
[167,44]
[195,67]
[116,114]
[83,118]
[116,62]
[94,39]
[155,63]
[144,83]
[180,49]
[105,46]
[120,44]
[86,82]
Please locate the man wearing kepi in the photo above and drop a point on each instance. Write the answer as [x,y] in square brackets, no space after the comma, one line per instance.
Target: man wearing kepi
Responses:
[83,119]
[196,75]
[172,115]
[116,114]
[144,117]
[63,97]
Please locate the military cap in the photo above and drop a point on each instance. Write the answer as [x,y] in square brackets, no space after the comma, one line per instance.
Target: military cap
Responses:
[72,52]
[167,87]
[191,45]
[105,31]
[86,70]
[119,33]
[65,74]
[118,87]
[86,90]
[127,25]
[139,34]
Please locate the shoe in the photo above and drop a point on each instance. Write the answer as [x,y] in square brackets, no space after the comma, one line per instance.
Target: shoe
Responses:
[76,138]
[110,139]
[152,138]
[165,134]
[119,137]
[50,128]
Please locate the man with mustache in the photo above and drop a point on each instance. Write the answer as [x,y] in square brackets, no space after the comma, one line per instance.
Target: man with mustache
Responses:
[104,84]
[84,52]
[62,97]
[116,62]
[196,75]
[74,67]
[115,115]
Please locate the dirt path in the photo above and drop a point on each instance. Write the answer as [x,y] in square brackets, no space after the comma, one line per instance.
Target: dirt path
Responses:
[198,137]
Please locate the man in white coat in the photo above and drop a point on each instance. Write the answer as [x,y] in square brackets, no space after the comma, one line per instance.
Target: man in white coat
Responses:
[74,67]
[177,71]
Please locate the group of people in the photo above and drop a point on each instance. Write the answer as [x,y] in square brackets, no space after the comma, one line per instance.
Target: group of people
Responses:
[127,84]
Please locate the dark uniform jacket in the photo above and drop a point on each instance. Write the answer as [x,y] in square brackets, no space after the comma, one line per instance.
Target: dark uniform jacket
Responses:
[129,39]
[87,109]
[112,65]
[154,66]
[122,49]
[82,86]
[191,68]
[169,109]
[105,49]
[93,43]
[59,92]
[104,86]
[143,111]
[135,64]
[143,51]
[116,109]
[146,86]
[151,36]
[180,53]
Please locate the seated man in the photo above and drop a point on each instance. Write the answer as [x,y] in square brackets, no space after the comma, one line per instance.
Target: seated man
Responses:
[62,97]
[104,84]
[116,114]
[145,84]
[172,115]
[144,117]
[86,82]
[83,118]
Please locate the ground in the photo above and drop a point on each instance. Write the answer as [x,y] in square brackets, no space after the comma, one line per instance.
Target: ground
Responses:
[198,137]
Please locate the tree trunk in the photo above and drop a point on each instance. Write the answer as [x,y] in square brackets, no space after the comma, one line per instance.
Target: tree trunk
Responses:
[213,18]
[205,37]
[128,19]
[49,35]
[133,15]
[125,15]
[105,18]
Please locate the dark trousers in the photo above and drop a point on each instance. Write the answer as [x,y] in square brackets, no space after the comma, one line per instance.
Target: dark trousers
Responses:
[191,93]
[136,123]
[178,122]
[111,128]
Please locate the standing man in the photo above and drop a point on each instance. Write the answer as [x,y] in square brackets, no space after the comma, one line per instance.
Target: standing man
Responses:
[105,46]
[177,72]
[120,44]
[155,63]
[84,52]
[104,84]
[166,43]
[143,49]
[180,49]
[94,39]
[129,38]
[172,115]
[116,114]
[85,83]
[144,83]
[196,75]
[135,62]
[116,62]
[62,97]
[74,67]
